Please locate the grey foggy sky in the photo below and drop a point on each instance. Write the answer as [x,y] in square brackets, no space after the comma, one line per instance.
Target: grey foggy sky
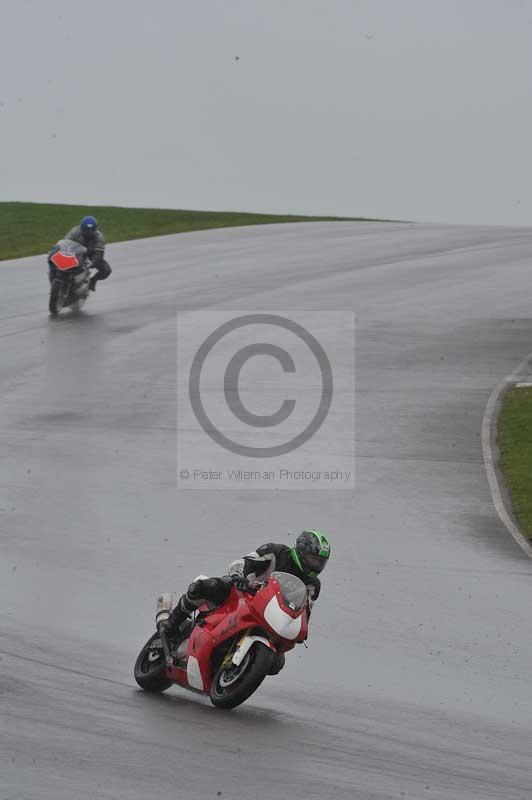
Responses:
[409,109]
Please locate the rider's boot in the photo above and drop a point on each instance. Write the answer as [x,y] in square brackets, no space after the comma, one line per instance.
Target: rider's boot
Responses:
[178,616]
[177,627]
[92,283]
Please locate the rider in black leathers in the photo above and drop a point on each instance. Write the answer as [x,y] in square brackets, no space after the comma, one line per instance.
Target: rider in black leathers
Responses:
[306,560]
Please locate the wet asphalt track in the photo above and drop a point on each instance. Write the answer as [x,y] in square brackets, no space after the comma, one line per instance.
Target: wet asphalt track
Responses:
[417,683]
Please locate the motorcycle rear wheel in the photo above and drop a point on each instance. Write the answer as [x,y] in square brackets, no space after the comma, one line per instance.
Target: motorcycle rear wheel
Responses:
[232,686]
[78,304]
[150,669]
[57,297]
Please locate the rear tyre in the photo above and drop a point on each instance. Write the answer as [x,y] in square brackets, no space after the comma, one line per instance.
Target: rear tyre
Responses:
[77,305]
[232,685]
[150,667]
[57,297]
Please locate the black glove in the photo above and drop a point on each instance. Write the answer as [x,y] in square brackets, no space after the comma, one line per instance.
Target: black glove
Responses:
[240,583]
[313,588]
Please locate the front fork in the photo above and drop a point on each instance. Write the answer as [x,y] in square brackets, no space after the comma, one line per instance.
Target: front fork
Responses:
[243,646]
[68,280]
[166,648]
[55,275]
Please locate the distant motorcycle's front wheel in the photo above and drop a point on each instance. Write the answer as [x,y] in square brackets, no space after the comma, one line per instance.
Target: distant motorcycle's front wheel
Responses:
[57,297]
[232,685]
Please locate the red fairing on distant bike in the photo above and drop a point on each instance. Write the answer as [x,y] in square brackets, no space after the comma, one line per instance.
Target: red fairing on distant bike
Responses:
[64,261]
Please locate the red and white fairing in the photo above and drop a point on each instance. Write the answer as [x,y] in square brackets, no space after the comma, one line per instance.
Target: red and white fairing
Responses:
[277,616]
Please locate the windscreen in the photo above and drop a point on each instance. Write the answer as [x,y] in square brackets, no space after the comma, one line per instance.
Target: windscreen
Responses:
[293,590]
[70,247]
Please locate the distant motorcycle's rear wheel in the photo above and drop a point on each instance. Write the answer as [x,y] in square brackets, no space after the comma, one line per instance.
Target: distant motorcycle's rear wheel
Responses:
[150,666]
[232,685]
[57,297]
[78,304]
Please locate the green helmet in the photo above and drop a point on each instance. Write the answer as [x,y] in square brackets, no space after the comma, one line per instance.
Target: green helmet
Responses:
[311,552]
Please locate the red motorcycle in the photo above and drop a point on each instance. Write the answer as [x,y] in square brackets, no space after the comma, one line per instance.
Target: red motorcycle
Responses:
[228,651]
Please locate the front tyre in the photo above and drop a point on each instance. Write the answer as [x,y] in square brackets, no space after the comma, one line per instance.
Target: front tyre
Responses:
[232,685]
[150,667]
[57,297]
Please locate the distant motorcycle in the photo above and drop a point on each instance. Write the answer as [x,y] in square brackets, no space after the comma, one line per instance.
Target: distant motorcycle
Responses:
[69,268]
[227,652]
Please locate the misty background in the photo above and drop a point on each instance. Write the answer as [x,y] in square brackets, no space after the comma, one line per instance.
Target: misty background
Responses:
[419,109]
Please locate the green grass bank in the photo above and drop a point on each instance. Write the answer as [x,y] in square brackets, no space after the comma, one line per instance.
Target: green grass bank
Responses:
[27,229]
[515,444]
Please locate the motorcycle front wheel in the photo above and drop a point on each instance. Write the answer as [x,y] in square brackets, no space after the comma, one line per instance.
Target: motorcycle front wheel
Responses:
[232,685]
[150,667]
[57,297]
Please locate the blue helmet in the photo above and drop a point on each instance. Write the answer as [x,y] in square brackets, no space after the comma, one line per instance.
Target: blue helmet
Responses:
[88,225]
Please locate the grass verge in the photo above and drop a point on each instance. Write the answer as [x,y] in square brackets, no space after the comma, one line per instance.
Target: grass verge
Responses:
[515,444]
[28,229]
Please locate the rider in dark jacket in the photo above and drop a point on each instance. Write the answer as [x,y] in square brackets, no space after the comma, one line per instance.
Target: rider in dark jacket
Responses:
[89,235]
[306,560]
